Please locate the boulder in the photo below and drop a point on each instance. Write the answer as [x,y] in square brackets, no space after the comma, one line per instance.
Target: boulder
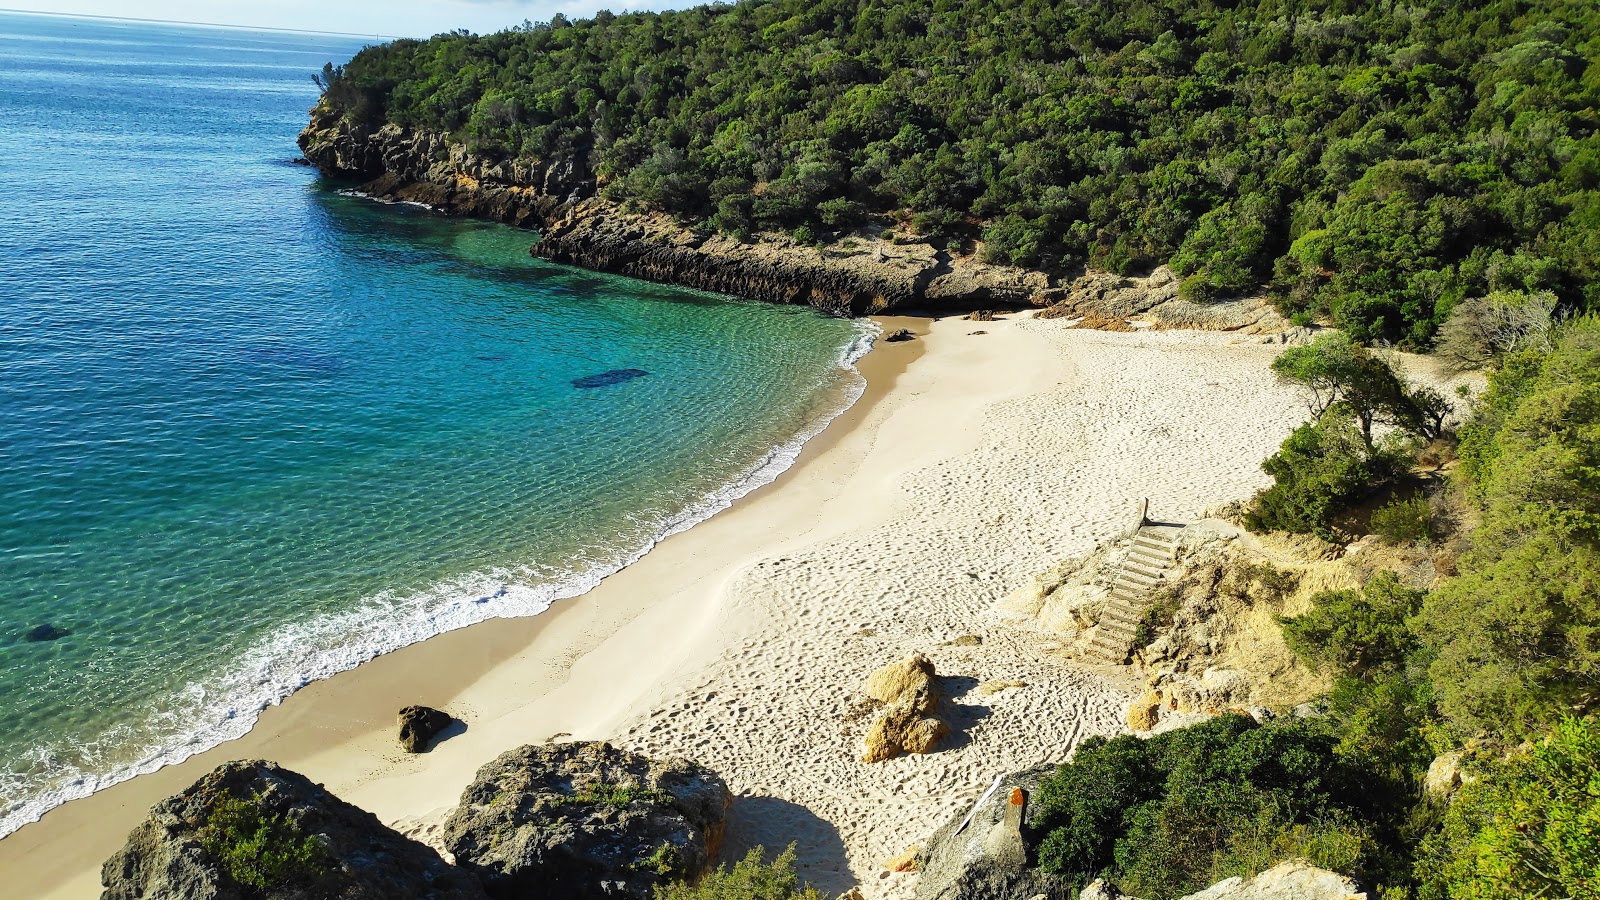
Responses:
[1145,712]
[419,725]
[903,334]
[1293,880]
[910,680]
[587,820]
[987,852]
[207,843]
[910,694]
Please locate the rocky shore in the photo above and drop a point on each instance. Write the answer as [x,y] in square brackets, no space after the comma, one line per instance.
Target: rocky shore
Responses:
[871,271]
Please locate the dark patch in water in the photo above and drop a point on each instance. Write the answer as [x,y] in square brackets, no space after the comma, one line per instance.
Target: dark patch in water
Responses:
[615,376]
[492,358]
[45,632]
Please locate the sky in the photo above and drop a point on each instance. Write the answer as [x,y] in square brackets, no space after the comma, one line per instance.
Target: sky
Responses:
[389,18]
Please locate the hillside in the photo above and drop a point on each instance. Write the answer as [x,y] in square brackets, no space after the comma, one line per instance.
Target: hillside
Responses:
[1373,163]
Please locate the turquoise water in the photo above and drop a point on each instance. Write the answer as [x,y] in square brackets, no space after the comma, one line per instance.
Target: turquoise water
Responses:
[253,431]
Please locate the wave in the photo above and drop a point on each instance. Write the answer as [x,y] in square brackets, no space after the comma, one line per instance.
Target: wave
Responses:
[227,708]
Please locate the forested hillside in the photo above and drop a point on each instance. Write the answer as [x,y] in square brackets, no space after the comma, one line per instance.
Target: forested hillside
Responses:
[1373,162]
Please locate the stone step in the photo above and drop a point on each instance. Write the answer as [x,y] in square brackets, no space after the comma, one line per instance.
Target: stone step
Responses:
[1129,597]
[1148,559]
[1157,547]
[1122,615]
[1149,571]
[1137,579]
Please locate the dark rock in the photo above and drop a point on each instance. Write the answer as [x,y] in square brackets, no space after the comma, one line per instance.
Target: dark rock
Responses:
[419,725]
[605,379]
[992,856]
[348,854]
[981,315]
[586,820]
[904,334]
[45,632]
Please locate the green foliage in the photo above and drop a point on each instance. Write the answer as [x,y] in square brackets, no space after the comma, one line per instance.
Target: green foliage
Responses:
[1357,632]
[608,794]
[665,861]
[259,850]
[1526,828]
[1174,813]
[1378,168]
[1404,520]
[1333,369]
[1517,632]
[1322,469]
[749,879]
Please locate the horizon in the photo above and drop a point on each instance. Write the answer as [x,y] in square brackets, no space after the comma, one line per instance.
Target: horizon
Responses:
[393,21]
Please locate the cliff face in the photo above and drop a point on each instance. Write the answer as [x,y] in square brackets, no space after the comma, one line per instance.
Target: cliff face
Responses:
[864,273]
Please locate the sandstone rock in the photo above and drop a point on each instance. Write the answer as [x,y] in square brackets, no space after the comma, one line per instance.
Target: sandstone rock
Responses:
[419,725]
[985,856]
[910,692]
[901,729]
[905,862]
[1145,712]
[981,315]
[177,853]
[1444,776]
[853,894]
[911,679]
[903,334]
[586,820]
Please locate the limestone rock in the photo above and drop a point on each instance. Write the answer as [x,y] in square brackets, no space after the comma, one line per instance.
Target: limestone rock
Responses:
[986,856]
[419,725]
[905,862]
[587,820]
[1444,776]
[175,854]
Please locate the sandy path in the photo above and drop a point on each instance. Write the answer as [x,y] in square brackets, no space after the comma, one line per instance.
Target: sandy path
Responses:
[741,642]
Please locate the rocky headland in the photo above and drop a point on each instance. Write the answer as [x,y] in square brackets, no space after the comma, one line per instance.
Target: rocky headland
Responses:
[870,271]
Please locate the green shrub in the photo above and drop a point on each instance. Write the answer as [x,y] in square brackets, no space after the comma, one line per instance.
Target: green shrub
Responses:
[1322,470]
[749,879]
[1402,521]
[1174,813]
[1529,827]
[259,850]
[1357,632]
[804,235]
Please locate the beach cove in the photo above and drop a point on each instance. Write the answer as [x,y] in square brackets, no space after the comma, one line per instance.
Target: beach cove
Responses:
[980,454]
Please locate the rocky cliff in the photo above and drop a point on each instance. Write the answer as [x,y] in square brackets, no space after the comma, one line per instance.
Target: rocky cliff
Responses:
[869,271]
[257,831]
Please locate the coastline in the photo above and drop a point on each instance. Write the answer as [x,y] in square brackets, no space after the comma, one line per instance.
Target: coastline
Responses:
[740,641]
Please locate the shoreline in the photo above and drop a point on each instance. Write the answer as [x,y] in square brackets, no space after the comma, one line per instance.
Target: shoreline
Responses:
[969,464]
[48,855]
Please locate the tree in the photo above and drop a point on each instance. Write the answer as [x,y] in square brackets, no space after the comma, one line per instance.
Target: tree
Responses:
[1334,369]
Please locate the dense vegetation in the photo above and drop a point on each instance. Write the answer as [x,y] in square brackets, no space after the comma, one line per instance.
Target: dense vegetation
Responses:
[1500,662]
[1177,812]
[1377,163]
[749,879]
[260,850]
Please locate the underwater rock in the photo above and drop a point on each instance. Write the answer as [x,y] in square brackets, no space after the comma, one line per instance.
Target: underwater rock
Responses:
[605,379]
[45,632]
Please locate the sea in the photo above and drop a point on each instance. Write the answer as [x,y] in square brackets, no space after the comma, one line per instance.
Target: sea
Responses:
[256,429]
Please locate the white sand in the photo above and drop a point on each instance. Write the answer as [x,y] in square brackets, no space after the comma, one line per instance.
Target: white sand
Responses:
[742,642]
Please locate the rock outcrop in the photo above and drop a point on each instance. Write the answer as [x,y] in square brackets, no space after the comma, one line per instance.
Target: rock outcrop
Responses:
[257,831]
[419,725]
[909,692]
[987,853]
[586,820]
[1293,880]
[869,271]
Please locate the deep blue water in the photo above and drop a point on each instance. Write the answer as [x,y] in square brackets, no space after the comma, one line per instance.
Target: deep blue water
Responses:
[253,431]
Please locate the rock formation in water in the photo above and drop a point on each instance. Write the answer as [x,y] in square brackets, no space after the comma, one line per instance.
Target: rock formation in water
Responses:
[586,820]
[866,272]
[256,831]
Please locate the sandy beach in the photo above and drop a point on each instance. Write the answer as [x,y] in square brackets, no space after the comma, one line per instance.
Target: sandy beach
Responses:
[981,454]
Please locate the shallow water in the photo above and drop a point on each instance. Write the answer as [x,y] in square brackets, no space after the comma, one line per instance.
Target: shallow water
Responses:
[254,431]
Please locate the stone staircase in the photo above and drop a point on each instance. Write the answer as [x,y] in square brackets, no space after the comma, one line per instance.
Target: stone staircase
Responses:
[1154,552]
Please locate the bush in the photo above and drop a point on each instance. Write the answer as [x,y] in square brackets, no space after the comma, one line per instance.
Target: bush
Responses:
[1357,632]
[1174,813]
[1529,827]
[749,879]
[258,850]
[1322,470]
[1482,330]
[1402,521]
